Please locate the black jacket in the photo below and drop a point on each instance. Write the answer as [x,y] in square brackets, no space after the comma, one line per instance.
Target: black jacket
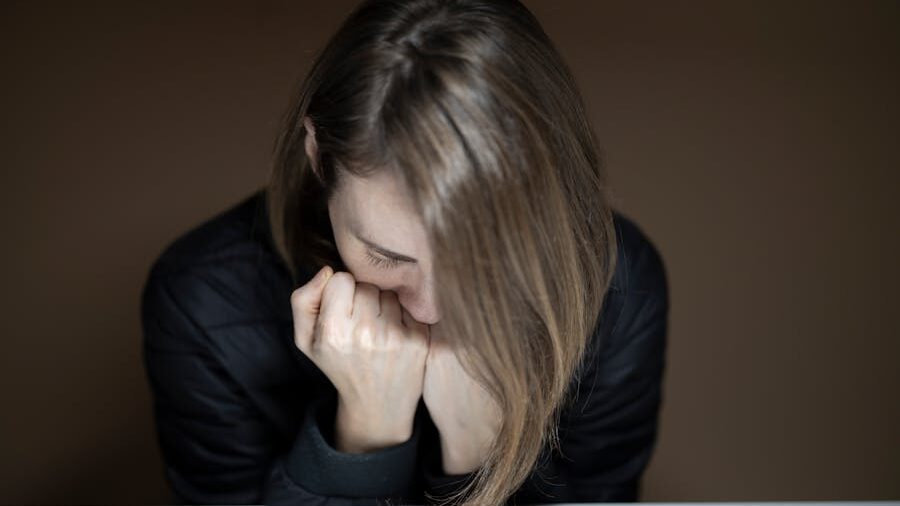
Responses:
[242,415]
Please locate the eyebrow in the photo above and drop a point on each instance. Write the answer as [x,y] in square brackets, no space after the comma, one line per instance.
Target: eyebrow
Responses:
[384,251]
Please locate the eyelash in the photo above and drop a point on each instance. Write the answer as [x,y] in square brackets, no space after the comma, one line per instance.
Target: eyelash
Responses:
[381,262]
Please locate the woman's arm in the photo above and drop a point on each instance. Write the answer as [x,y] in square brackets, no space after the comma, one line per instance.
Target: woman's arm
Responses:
[219,448]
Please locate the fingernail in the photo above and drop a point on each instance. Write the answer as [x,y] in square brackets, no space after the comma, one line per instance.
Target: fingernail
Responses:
[324,274]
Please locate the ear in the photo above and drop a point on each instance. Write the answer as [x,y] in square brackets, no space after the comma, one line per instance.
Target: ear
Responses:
[312,148]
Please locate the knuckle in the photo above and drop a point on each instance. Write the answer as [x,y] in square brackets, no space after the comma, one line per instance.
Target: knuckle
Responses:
[341,278]
[340,340]
[297,296]
[366,334]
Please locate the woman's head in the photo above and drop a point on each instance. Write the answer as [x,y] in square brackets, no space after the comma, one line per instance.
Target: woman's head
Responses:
[451,132]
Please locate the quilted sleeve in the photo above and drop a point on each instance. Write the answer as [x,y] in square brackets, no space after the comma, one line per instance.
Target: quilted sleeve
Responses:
[217,446]
[609,435]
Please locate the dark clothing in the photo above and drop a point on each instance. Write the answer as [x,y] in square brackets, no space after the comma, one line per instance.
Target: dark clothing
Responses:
[243,416]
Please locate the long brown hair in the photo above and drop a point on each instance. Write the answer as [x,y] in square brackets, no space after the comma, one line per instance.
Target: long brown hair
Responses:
[471,105]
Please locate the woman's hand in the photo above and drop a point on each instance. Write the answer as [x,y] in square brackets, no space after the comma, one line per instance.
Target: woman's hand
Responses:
[465,414]
[371,349]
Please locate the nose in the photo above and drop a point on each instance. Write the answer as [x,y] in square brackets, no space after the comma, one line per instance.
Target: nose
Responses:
[421,305]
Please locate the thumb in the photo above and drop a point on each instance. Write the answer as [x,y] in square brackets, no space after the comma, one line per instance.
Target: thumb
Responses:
[305,304]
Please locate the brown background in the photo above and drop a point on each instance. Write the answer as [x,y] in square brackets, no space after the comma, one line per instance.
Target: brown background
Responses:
[755,142]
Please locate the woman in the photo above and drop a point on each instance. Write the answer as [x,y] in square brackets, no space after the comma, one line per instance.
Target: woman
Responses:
[431,300]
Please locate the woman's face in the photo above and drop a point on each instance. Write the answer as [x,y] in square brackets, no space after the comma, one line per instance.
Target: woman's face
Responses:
[380,237]
[382,241]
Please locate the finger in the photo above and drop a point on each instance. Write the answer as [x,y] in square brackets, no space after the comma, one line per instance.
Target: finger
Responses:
[366,301]
[390,307]
[337,298]
[305,304]
[438,343]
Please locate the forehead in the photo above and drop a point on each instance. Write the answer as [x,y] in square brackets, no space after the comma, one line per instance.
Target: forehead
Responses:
[380,206]
[380,188]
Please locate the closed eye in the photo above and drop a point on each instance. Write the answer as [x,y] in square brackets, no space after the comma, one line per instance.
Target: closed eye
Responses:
[383,253]
[381,262]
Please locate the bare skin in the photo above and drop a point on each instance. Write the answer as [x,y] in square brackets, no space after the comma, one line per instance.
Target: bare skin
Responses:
[372,351]
[374,331]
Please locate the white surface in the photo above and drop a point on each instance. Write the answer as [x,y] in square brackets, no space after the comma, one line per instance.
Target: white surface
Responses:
[770,503]
[736,503]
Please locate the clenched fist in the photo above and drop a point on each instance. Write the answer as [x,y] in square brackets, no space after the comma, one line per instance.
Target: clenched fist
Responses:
[371,349]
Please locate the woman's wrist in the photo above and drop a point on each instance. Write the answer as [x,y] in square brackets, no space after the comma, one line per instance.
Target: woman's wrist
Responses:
[459,456]
[356,432]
